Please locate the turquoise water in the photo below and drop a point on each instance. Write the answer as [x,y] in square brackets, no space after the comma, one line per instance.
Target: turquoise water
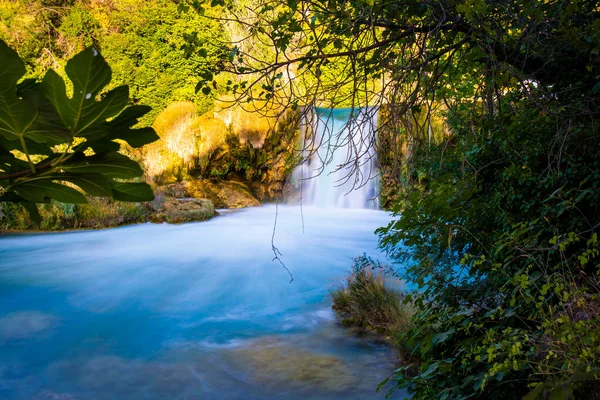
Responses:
[194,311]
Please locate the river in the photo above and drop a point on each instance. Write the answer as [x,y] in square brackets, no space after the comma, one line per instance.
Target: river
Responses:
[193,311]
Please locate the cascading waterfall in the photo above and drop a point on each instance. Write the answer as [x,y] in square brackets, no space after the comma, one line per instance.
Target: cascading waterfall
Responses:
[339,162]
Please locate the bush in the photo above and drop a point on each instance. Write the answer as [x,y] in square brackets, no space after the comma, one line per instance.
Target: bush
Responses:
[506,257]
[369,299]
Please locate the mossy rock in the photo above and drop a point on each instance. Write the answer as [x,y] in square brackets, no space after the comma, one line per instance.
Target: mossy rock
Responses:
[176,211]
[223,194]
[274,363]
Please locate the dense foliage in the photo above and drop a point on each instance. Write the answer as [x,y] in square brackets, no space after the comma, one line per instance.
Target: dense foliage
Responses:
[503,242]
[499,216]
[145,42]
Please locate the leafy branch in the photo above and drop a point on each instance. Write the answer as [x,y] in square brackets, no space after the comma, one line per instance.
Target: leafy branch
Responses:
[37,118]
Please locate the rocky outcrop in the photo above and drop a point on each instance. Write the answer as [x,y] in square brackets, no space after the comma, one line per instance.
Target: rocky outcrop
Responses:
[259,151]
[223,194]
[179,210]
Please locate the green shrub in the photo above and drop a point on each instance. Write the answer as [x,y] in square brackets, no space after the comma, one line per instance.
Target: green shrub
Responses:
[506,256]
[370,299]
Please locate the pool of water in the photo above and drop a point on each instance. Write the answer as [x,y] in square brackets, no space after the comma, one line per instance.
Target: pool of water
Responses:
[193,311]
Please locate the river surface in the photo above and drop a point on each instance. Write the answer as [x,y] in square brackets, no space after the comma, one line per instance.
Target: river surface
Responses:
[193,311]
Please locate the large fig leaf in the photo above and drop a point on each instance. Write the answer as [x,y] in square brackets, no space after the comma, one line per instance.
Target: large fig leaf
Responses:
[36,116]
[132,191]
[19,116]
[111,165]
[16,115]
[82,113]
[47,127]
[40,189]
[93,184]
[120,127]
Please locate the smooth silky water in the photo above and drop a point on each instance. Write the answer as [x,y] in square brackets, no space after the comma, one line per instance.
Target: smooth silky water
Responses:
[194,311]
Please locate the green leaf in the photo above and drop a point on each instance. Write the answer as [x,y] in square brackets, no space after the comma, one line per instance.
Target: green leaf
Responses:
[442,337]
[16,115]
[47,127]
[82,114]
[10,164]
[33,212]
[39,190]
[132,192]
[561,392]
[432,368]
[120,127]
[104,146]
[111,165]
[32,147]
[93,184]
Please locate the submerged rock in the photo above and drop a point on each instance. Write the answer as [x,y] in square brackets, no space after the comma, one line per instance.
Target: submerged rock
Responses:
[223,194]
[276,363]
[114,377]
[176,211]
[49,395]
[25,325]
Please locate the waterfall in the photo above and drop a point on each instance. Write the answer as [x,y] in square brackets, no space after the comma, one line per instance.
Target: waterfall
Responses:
[339,163]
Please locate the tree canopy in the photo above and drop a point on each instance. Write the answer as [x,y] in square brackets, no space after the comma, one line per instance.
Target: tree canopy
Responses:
[143,41]
[421,51]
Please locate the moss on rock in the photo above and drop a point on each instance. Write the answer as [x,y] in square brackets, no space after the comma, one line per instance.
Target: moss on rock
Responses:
[275,362]
[177,211]
[223,194]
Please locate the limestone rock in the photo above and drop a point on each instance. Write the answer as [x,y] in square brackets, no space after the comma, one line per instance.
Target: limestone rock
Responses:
[223,194]
[181,210]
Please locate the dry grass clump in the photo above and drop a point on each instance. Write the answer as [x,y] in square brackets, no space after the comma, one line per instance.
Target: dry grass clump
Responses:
[371,300]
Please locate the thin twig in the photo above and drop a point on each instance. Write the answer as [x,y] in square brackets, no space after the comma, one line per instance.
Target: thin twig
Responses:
[276,251]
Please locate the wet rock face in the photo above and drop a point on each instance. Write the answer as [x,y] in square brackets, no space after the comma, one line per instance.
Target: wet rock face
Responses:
[223,194]
[174,210]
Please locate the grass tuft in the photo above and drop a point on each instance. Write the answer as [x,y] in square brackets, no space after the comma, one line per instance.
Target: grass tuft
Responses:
[371,299]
